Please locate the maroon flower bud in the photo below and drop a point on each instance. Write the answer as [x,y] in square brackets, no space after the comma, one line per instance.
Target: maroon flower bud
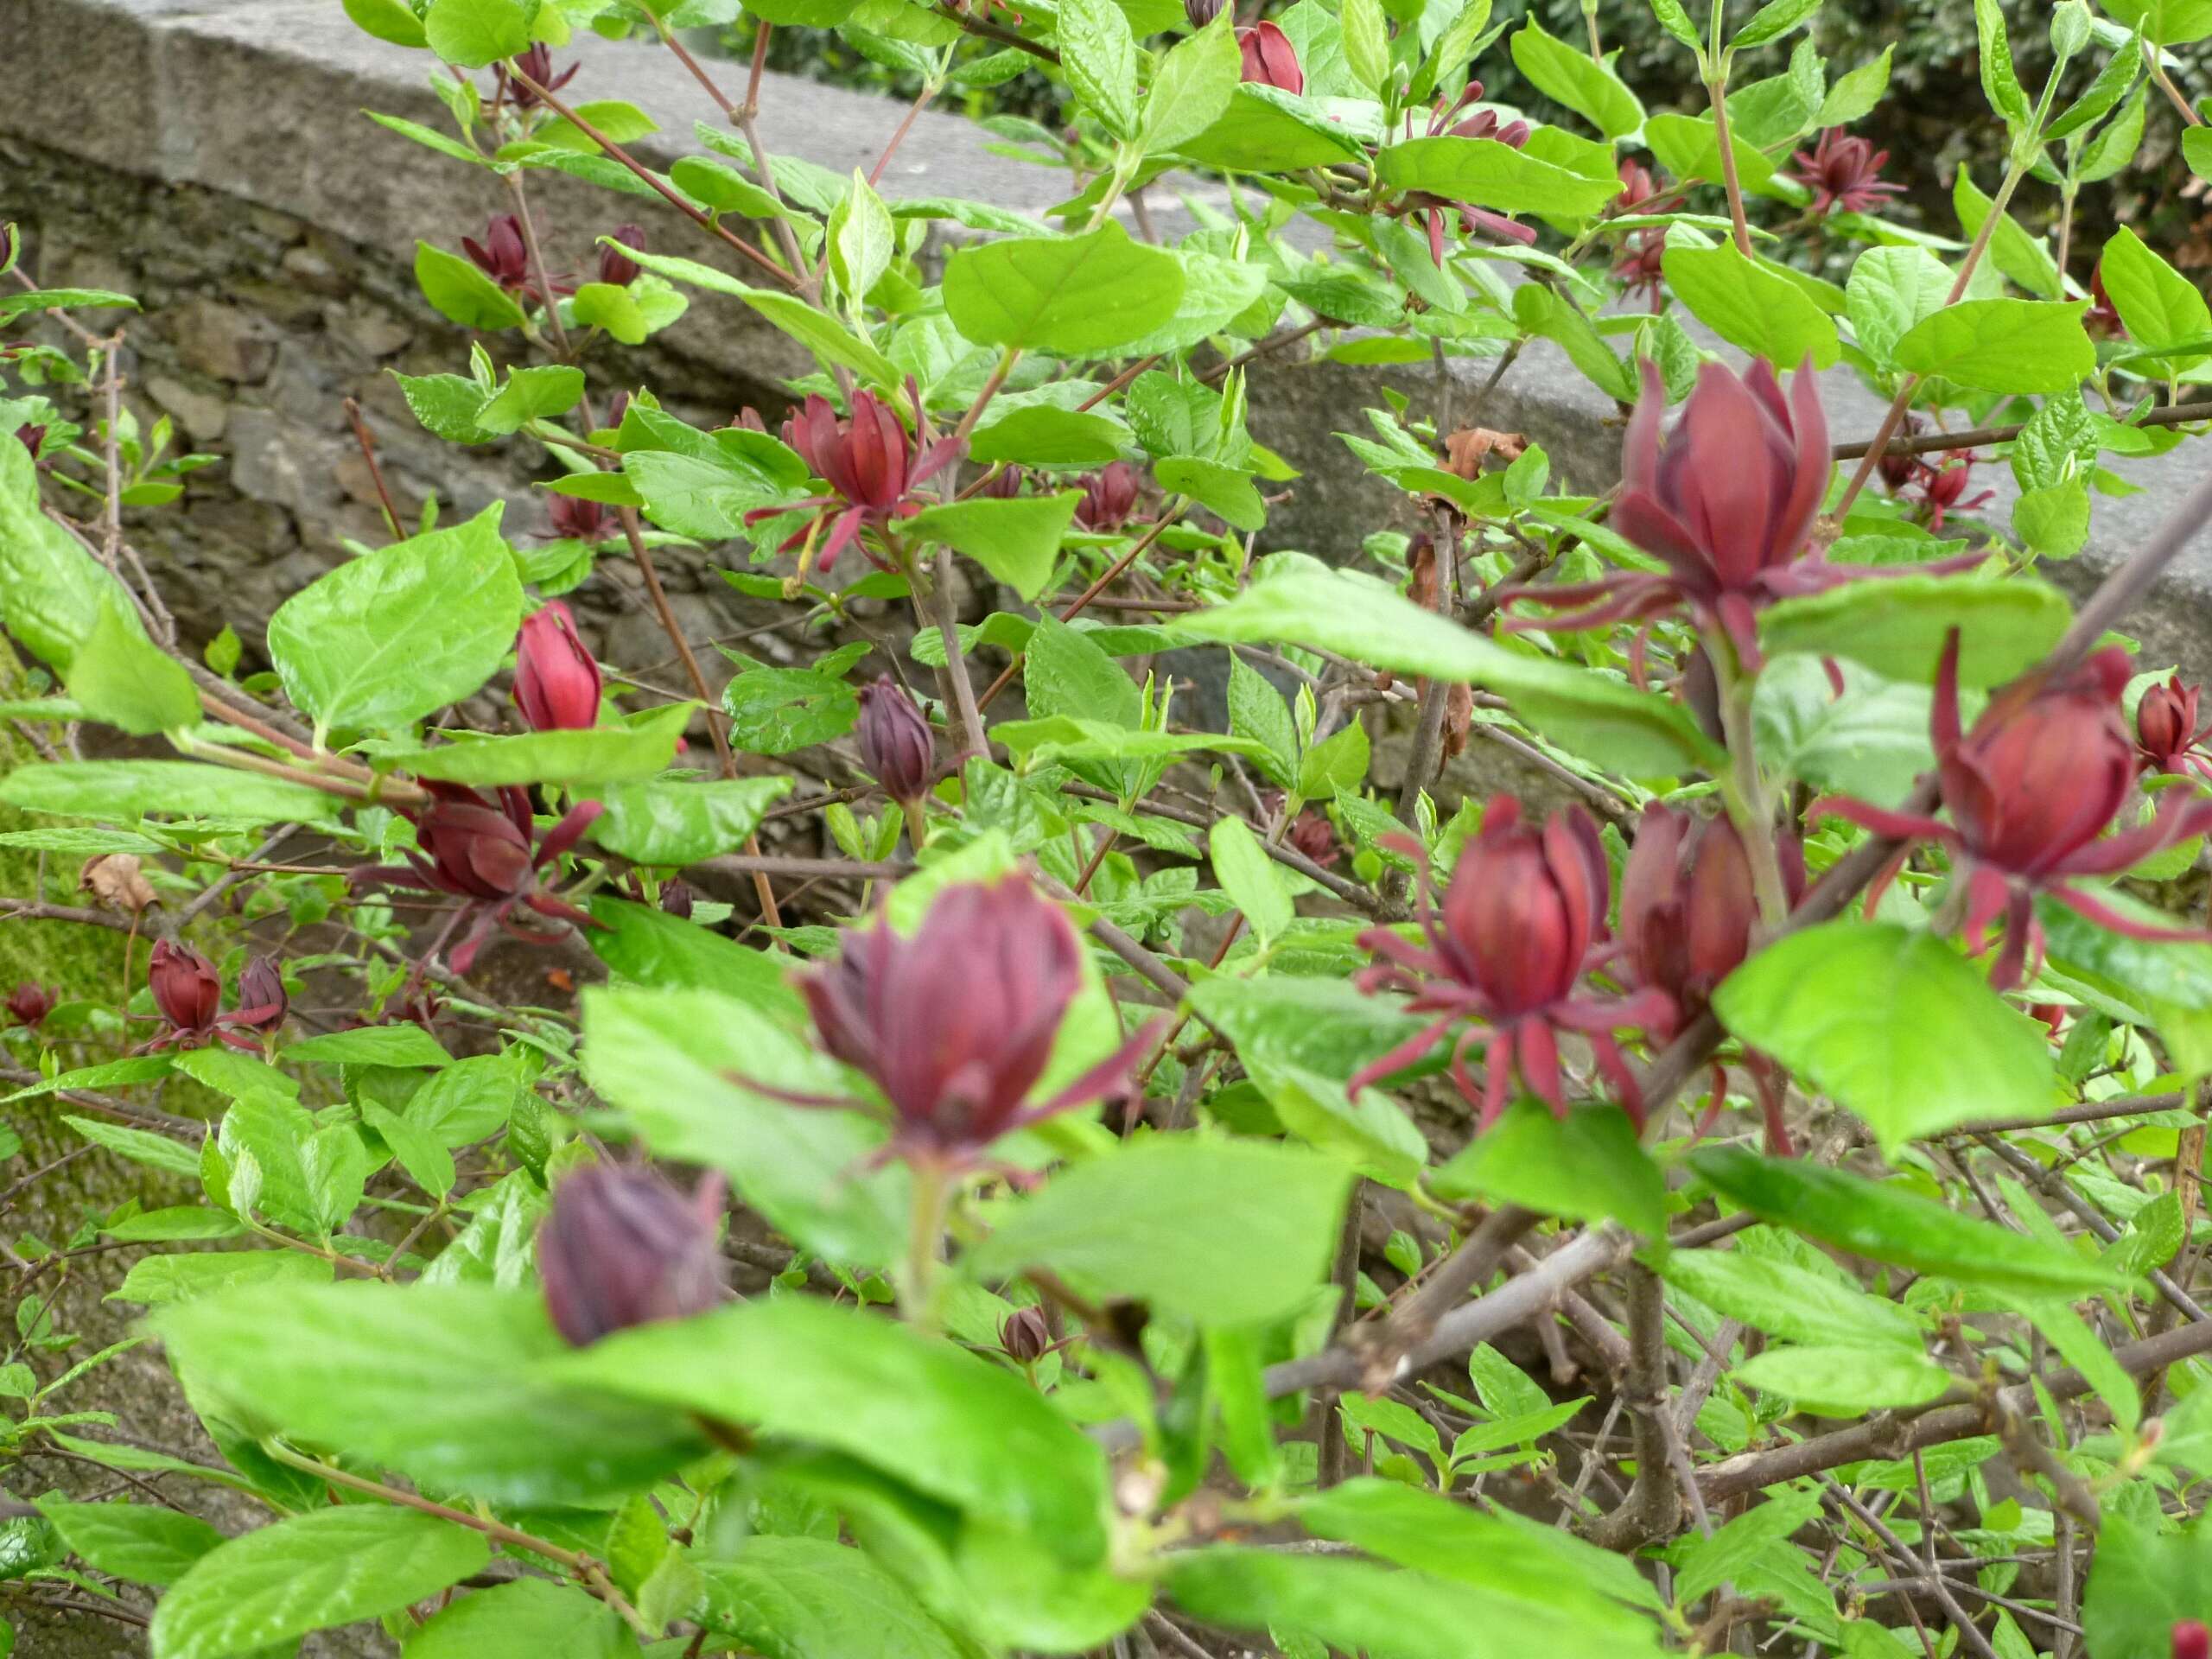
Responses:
[573,516]
[1108,497]
[28,1004]
[677,899]
[2192,1640]
[622,1248]
[1943,489]
[2102,319]
[556,682]
[1507,944]
[2052,1014]
[33,438]
[263,1002]
[1841,172]
[1899,468]
[954,1024]
[1688,904]
[615,265]
[1269,58]
[2031,789]
[1199,13]
[187,989]
[869,460]
[1641,191]
[1005,484]
[502,255]
[748,420]
[618,409]
[897,747]
[537,65]
[1025,1336]
[2166,729]
[1311,833]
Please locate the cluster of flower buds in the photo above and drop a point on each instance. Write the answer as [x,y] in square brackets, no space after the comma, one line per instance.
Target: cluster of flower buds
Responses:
[871,463]
[537,67]
[1844,172]
[622,1248]
[1726,503]
[897,747]
[29,1003]
[954,1024]
[504,256]
[1269,59]
[1507,943]
[188,993]
[556,682]
[2031,790]
[1109,496]
[2167,735]
[480,851]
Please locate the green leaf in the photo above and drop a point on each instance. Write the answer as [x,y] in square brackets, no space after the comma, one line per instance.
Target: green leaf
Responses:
[529,1618]
[1491,174]
[964,1431]
[1749,305]
[1844,1381]
[1710,1562]
[387,20]
[1041,435]
[776,710]
[1892,1024]
[1248,875]
[52,591]
[671,823]
[1367,44]
[1882,1223]
[2143,1582]
[462,294]
[601,754]
[1017,541]
[530,394]
[323,1568]
[1896,626]
[2165,23]
[2161,307]
[403,632]
[1872,742]
[2054,521]
[2166,984]
[174,1226]
[861,239]
[142,1543]
[1790,1303]
[1078,296]
[2002,345]
[447,1384]
[812,328]
[428,137]
[140,1146]
[476,33]
[126,790]
[1553,317]
[420,1153]
[1265,130]
[400,1045]
[790,1597]
[722,188]
[1856,92]
[159,1281]
[2019,255]
[1998,81]
[1391,1613]
[1604,720]
[1771,22]
[1588,1166]
[446,404]
[1677,22]
[1257,711]
[123,679]
[1588,87]
[1890,291]
[1222,490]
[682,1066]
[1099,55]
[1219,1232]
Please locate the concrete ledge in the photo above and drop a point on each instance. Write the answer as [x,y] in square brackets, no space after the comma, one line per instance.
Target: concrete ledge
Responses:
[258,102]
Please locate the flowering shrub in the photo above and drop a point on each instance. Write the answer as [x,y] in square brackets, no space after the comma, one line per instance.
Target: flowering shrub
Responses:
[1004,1162]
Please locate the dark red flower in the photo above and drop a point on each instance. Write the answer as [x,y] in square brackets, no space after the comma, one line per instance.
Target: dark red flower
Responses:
[2052,1014]
[1023,1333]
[1507,944]
[1727,504]
[537,65]
[870,461]
[897,747]
[1639,267]
[1899,468]
[2192,1640]
[1688,908]
[2031,790]
[187,990]
[1942,490]
[1311,833]
[504,256]
[954,1024]
[33,438]
[1108,497]
[573,516]
[1269,58]
[28,1004]
[1005,484]
[480,851]
[676,899]
[1641,192]
[2167,732]
[2102,319]
[622,1248]
[263,1002]
[1841,172]
[616,266]
[556,682]
[1445,120]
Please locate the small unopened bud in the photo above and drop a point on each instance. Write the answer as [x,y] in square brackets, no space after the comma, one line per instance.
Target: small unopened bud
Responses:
[186,987]
[622,1248]
[28,1004]
[676,899]
[616,266]
[1025,1336]
[1108,497]
[262,999]
[1201,12]
[897,747]
[557,681]
[2192,1640]
[1006,484]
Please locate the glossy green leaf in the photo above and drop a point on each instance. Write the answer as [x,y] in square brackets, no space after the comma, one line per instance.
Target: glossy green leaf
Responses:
[1491,174]
[2002,345]
[1890,292]
[1790,1303]
[476,33]
[602,755]
[1843,1380]
[1571,77]
[1080,295]
[2144,1580]
[460,293]
[387,20]
[2161,307]
[1750,305]
[1588,1166]
[681,823]
[535,393]
[126,790]
[1248,875]
[811,1598]
[2012,250]
[529,1618]
[1017,541]
[2165,984]
[1099,56]
[143,1543]
[1896,626]
[123,679]
[1265,130]
[1872,742]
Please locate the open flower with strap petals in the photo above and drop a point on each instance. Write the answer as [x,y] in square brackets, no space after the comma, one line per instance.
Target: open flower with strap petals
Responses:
[480,851]
[871,463]
[2031,790]
[1727,503]
[1506,944]
[2168,737]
